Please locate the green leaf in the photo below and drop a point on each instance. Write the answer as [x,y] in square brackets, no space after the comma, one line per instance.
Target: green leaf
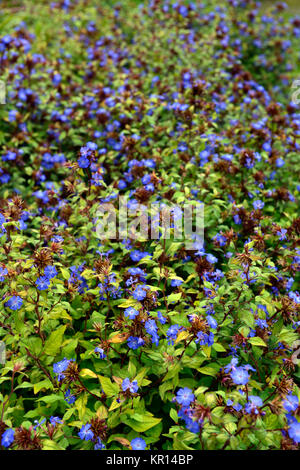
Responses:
[54,342]
[287,336]
[172,298]
[88,373]
[65,273]
[52,398]
[257,341]
[48,444]
[115,404]
[207,370]
[218,347]
[80,404]
[179,444]
[110,389]
[174,415]
[44,384]
[140,423]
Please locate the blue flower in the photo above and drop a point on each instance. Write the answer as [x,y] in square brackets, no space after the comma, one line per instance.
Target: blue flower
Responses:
[134,342]
[122,184]
[146,179]
[39,423]
[282,234]
[50,272]
[211,259]
[70,399]
[237,220]
[85,151]
[92,146]
[212,322]
[150,327]
[176,282]
[8,437]
[291,403]
[60,367]
[85,433]
[192,426]
[289,283]
[56,79]
[131,386]
[172,333]
[253,403]
[150,187]
[258,204]
[185,396]
[42,283]
[12,115]
[295,296]
[205,339]
[138,444]
[240,376]
[54,420]
[3,273]
[138,255]
[262,324]
[14,303]
[236,406]
[280,162]
[83,162]
[139,293]
[232,365]
[131,312]
[99,445]
[2,220]
[161,318]
[294,432]
[100,351]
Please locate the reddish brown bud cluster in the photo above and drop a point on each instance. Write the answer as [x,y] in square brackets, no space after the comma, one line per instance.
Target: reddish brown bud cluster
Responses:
[26,439]
[43,258]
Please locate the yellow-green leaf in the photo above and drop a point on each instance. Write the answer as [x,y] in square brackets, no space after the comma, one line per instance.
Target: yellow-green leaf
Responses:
[257,341]
[54,342]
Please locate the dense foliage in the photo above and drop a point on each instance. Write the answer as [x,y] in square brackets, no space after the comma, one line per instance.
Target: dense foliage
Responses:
[124,343]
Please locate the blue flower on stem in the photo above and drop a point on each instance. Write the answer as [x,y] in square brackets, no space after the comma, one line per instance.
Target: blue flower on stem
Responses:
[70,399]
[8,437]
[85,433]
[291,403]
[99,445]
[258,204]
[100,352]
[54,420]
[185,396]
[50,272]
[131,386]
[131,313]
[176,282]
[134,342]
[294,432]
[138,444]
[139,293]
[205,338]
[42,283]
[60,367]
[14,303]
[254,402]
[240,376]
[172,333]
[3,273]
